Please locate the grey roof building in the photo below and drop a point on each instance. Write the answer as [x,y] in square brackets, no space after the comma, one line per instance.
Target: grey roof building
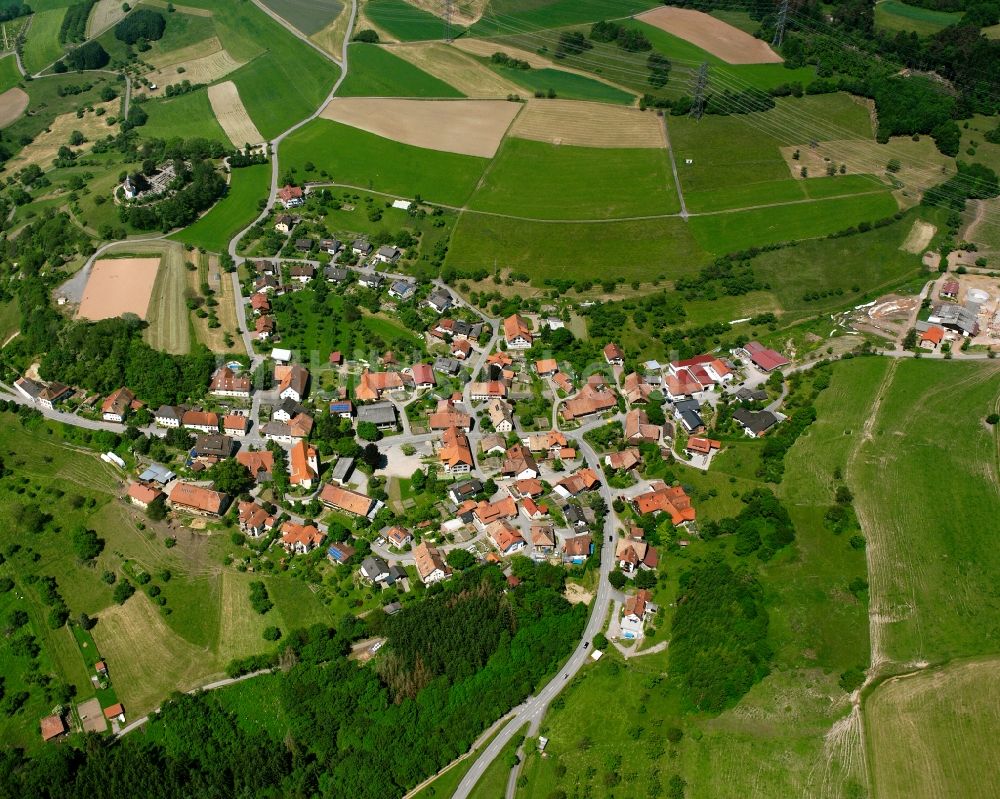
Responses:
[381,414]
[755,423]
[342,470]
[447,366]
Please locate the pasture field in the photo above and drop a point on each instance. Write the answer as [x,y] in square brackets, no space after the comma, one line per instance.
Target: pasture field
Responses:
[731,231]
[930,733]
[406,22]
[893,15]
[168,328]
[986,152]
[635,250]
[587,125]
[871,262]
[931,569]
[309,16]
[232,213]
[186,36]
[567,85]
[447,63]
[185,116]
[9,76]
[537,180]
[378,72]
[232,115]
[42,46]
[500,15]
[364,160]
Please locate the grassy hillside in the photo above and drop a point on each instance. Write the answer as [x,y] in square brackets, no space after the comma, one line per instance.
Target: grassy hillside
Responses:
[231,214]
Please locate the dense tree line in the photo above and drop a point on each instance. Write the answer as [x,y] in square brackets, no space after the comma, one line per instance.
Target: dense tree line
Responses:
[345,736]
[13,11]
[87,56]
[970,182]
[143,23]
[718,641]
[103,356]
[74,24]
[724,276]
[763,526]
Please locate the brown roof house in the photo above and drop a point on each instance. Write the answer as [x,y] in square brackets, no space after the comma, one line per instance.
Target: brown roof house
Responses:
[195,499]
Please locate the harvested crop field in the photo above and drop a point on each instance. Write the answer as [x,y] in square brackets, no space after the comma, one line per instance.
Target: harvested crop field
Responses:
[117,286]
[180,56]
[455,68]
[169,329]
[467,127]
[232,115]
[105,14]
[588,125]
[206,69]
[713,35]
[12,105]
[929,733]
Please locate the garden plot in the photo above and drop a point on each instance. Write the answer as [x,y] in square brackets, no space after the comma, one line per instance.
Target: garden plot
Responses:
[118,286]
[12,105]
[233,117]
[712,35]
[588,125]
[467,127]
[206,69]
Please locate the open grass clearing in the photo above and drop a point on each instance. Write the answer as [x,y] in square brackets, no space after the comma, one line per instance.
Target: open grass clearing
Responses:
[538,180]
[309,16]
[466,74]
[232,115]
[713,35]
[42,46]
[635,250]
[225,312]
[232,213]
[929,734]
[532,14]
[732,231]
[464,127]
[150,659]
[187,115]
[892,15]
[379,72]
[569,122]
[10,76]
[931,570]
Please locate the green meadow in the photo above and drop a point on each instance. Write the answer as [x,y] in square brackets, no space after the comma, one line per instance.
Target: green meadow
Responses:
[185,116]
[565,85]
[9,75]
[232,213]
[42,46]
[357,158]
[546,181]
[502,15]
[406,22]
[893,15]
[375,72]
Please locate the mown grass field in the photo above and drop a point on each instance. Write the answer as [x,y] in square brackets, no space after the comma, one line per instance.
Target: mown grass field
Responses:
[929,734]
[871,262]
[186,116]
[567,85]
[42,46]
[183,32]
[546,181]
[532,14]
[362,159]
[234,212]
[635,250]
[406,22]
[9,76]
[727,232]
[309,16]
[375,72]
[893,15]
[932,569]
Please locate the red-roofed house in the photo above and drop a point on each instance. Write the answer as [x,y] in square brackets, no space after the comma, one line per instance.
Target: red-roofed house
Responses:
[303,462]
[516,333]
[300,539]
[702,446]
[932,337]
[423,375]
[52,727]
[546,367]
[666,499]
[613,354]
[765,359]
[634,614]
[291,196]
[143,495]
[506,537]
